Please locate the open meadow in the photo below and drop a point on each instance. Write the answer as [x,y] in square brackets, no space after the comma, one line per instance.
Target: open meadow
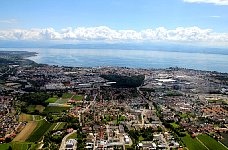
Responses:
[26,132]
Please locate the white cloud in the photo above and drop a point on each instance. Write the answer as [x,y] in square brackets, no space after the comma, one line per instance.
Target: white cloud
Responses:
[216,2]
[106,34]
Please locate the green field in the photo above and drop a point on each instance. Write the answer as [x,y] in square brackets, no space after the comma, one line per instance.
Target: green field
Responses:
[192,143]
[67,95]
[61,101]
[72,136]
[25,117]
[51,100]
[210,143]
[174,125]
[37,117]
[141,138]
[42,127]
[18,146]
[225,139]
[32,108]
[183,115]
[61,126]
[78,97]
[55,109]
[4,146]
[40,108]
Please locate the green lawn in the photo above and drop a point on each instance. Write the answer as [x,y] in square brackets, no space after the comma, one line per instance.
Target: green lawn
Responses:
[61,126]
[31,108]
[25,117]
[52,126]
[38,117]
[174,125]
[42,127]
[51,100]
[78,97]
[72,136]
[141,138]
[183,115]
[4,146]
[210,143]
[61,101]
[18,146]
[192,143]
[55,109]
[67,95]
[40,108]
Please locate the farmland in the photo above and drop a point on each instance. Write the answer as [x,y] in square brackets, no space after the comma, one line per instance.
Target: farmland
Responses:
[72,136]
[42,127]
[210,143]
[59,126]
[55,109]
[192,143]
[40,108]
[67,95]
[78,97]
[25,117]
[18,146]
[61,101]
[51,100]
[26,132]
[33,108]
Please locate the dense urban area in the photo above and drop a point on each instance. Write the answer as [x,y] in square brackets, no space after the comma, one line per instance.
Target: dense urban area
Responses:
[69,108]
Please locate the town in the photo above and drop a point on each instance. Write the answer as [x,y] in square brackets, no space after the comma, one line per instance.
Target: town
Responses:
[99,108]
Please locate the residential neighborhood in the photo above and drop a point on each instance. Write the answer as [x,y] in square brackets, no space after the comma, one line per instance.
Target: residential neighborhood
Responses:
[68,108]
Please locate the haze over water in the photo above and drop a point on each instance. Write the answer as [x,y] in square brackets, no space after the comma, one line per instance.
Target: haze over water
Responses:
[130,58]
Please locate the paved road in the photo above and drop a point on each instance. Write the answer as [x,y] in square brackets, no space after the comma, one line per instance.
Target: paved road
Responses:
[63,144]
[87,108]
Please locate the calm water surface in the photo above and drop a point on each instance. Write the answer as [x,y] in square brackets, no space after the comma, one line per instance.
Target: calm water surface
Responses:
[130,58]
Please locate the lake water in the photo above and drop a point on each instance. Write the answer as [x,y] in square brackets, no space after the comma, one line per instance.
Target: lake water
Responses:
[129,58]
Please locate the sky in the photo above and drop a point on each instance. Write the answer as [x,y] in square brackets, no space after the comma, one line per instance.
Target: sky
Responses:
[200,22]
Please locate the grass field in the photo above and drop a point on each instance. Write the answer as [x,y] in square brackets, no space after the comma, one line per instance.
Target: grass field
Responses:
[59,126]
[31,108]
[192,143]
[141,138]
[53,126]
[18,146]
[72,136]
[4,146]
[183,115]
[51,100]
[37,117]
[40,108]
[78,97]
[210,143]
[54,109]
[25,117]
[225,139]
[26,132]
[67,95]
[42,127]
[61,101]
[174,125]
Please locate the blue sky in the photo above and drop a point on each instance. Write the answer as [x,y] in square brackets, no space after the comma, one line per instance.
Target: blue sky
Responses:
[55,16]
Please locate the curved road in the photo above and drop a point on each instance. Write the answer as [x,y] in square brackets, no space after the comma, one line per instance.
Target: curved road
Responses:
[63,144]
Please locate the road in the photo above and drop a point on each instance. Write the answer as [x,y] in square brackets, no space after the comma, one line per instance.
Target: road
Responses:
[63,144]
[87,108]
